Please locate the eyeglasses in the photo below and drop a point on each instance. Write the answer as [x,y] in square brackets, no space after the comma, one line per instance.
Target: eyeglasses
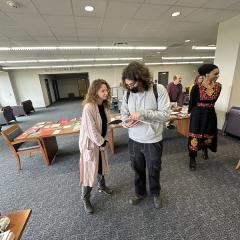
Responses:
[132,85]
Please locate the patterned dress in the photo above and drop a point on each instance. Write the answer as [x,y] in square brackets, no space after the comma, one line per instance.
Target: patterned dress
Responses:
[203,119]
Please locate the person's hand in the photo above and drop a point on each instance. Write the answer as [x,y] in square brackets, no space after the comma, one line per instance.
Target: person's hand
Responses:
[135,116]
[129,123]
[102,149]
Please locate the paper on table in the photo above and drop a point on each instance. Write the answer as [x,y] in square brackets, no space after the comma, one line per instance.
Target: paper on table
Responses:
[76,128]
[55,125]
[56,131]
[67,126]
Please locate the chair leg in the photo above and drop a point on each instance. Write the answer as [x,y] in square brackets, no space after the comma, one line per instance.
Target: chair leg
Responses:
[18,162]
[30,154]
[238,165]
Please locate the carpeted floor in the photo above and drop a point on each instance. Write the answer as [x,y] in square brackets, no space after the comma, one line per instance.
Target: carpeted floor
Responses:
[199,205]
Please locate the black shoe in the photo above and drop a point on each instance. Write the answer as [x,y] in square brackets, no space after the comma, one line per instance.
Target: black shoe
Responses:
[136,199]
[205,154]
[105,190]
[192,164]
[157,200]
[87,206]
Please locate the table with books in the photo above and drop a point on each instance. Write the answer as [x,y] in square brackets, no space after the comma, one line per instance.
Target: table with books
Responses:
[18,222]
[182,118]
[47,132]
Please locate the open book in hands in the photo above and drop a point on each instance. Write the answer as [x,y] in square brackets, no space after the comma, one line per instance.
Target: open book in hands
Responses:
[128,123]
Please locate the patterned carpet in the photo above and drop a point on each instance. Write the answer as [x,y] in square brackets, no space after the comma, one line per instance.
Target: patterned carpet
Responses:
[201,205]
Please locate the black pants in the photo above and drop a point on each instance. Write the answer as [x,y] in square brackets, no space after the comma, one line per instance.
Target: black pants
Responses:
[142,155]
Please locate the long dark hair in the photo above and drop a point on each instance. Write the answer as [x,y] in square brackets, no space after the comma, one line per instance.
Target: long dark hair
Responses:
[138,72]
[92,96]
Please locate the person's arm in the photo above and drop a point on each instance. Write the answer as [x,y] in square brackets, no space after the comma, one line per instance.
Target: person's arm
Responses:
[90,126]
[163,112]
[124,108]
[169,86]
[193,98]
[179,93]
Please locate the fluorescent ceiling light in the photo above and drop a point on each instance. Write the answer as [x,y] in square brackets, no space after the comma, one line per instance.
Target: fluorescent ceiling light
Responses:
[42,48]
[203,48]
[175,14]
[5,48]
[187,58]
[95,65]
[89,8]
[20,61]
[173,63]
[211,45]
[73,60]
[67,66]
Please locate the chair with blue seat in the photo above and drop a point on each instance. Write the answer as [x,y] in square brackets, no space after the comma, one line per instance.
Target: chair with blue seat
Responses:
[23,146]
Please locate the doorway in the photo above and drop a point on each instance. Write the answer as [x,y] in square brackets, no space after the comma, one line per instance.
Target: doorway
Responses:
[163,78]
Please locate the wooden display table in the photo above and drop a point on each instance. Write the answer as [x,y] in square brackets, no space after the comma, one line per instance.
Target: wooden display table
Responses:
[18,222]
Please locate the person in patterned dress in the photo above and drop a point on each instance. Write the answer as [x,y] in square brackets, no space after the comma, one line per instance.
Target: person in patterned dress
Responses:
[203,119]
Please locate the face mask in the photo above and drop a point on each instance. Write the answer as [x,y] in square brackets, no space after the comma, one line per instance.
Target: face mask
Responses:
[134,90]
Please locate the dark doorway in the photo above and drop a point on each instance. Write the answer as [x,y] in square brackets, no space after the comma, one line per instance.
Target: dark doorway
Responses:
[48,91]
[163,78]
[55,89]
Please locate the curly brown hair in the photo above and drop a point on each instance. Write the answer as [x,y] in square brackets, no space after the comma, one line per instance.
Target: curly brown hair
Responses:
[92,96]
[138,72]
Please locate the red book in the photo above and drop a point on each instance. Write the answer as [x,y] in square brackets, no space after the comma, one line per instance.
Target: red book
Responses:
[46,132]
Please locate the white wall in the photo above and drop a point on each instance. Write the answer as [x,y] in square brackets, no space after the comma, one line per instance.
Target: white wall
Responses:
[67,84]
[7,96]
[235,93]
[27,86]
[27,83]
[44,89]
[226,58]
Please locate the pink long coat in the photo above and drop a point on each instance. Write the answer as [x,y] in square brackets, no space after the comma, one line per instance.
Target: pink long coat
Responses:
[89,141]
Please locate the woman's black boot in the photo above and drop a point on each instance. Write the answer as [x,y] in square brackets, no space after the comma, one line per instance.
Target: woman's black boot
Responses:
[192,164]
[205,153]
[86,191]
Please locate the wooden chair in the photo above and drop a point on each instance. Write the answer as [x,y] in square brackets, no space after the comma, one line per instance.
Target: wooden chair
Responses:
[24,146]
[238,165]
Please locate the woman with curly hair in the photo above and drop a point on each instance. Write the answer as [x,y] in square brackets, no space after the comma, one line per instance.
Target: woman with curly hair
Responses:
[93,139]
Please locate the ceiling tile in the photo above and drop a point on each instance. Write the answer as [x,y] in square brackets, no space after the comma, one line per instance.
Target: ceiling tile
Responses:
[87,32]
[210,15]
[121,10]
[235,6]
[191,3]
[88,22]
[28,20]
[220,4]
[62,32]
[54,7]
[166,2]
[113,26]
[148,11]
[60,21]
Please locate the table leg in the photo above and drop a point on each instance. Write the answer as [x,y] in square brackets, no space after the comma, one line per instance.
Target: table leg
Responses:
[50,148]
[183,126]
[111,141]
